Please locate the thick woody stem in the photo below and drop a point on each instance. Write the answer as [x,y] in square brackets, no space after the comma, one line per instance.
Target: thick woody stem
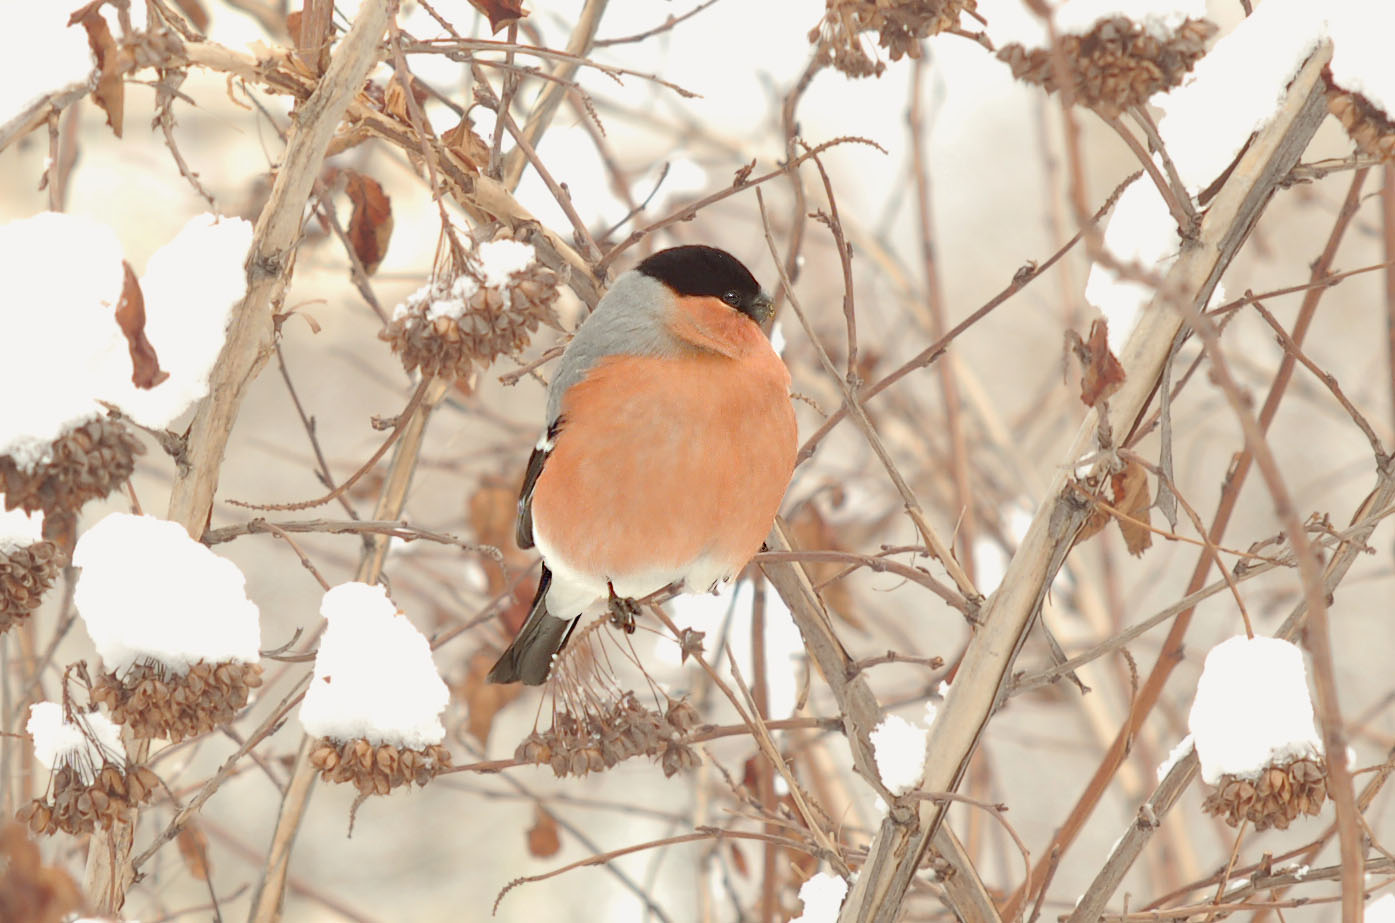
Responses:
[899,847]
[248,346]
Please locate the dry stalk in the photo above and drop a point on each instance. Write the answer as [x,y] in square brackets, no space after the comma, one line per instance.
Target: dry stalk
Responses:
[1167,660]
[899,848]
[247,348]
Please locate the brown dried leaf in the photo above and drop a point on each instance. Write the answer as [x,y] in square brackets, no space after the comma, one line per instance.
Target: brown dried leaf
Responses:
[111,90]
[130,316]
[30,890]
[1131,498]
[193,847]
[543,839]
[738,860]
[482,698]
[500,12]
[810,531]
[1103,374]
[370,224]
[467,144]
[492,510]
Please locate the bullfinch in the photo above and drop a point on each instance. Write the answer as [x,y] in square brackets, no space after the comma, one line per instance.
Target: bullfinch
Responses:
[669,441]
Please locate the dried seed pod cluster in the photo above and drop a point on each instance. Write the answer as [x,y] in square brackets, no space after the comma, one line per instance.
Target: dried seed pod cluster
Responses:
[86,463]
[1365,122]
[377,770]
[490,307]
[75,806]
[26,573]
[1117,64]
[598,739]
[1274,799]
[152,701]
[900,26]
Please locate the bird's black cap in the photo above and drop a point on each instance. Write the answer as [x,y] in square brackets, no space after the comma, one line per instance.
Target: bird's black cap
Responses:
[698,270]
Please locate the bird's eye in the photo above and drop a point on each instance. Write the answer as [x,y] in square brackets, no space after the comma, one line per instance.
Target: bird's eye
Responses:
[732,298]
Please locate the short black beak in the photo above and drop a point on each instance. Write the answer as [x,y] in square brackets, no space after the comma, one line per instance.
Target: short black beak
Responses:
[762,308]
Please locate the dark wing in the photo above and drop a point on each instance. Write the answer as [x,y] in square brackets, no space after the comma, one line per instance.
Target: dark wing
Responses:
[523,529]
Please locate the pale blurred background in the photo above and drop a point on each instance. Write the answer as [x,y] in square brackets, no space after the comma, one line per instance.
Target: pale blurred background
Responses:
[995,162]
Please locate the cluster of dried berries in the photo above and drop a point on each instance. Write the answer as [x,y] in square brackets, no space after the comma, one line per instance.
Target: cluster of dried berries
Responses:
[900,26]
[598,739]
[1117,64]
[26,573]
[86,463]
[154,702]
[30,890]
[1367,124]
[377,770]
[1280,794]
[76,806]
[460,321]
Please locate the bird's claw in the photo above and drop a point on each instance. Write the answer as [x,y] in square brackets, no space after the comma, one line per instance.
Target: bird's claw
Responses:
[623,612]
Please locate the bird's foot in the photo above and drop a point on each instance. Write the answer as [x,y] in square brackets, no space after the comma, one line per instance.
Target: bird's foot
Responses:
[623,612]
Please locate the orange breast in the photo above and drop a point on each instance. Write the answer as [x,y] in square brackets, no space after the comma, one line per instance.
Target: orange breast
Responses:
[661,461]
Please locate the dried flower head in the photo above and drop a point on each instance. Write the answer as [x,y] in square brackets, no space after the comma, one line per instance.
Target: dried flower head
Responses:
[472,315]
[86,463]
[1367,124]
[596,723]
[900,26]
[377,769]
[1274,798]
[604,734]
[26,573]
[92,782]
[1117,64]
[153,701]
[77,807]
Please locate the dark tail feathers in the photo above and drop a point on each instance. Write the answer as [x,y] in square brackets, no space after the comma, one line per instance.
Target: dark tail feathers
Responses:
[529,658]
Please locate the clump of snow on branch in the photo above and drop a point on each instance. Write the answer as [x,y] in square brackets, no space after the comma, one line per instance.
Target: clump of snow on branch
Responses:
[66,59]
[1010,22]
[1252,709]
[19,529]
[1141,233]
[491,265]
[191,286]
[822,895]
[64,278]
[1179,753]
[85,746]
[1361,33]
[899,748]
[148,591]
[1237,88]
[374,676]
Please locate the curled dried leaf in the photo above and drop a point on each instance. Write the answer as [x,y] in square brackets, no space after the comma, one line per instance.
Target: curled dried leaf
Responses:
[543,839]
[501,13]
[370,222]
[130,317]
